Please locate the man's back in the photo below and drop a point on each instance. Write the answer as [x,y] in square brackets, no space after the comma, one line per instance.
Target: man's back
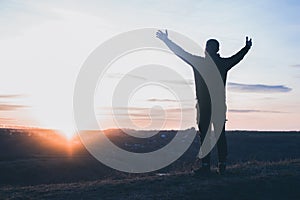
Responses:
[223,65]
[206,64]
[211,59]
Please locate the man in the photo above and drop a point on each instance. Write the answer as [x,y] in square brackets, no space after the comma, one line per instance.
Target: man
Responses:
[202,93]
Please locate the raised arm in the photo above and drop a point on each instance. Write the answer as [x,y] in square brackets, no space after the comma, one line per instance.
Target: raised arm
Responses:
[185,56]
[235,59]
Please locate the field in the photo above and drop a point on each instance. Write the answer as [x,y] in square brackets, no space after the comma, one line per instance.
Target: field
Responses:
[40,164]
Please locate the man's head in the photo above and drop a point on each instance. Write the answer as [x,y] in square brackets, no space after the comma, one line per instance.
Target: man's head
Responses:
[212,46]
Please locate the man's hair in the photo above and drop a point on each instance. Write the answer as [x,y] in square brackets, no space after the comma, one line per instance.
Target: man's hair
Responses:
[212,46]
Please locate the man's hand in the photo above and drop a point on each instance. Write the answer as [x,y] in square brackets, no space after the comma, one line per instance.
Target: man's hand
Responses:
[248,42]
[161,35]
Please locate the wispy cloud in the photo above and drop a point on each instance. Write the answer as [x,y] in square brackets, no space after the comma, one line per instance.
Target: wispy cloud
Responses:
[6,119]
[163,119]
[122,75]
[11,107]
[144,112]
[162,100]
[252,111]
[169,100]
[145,109]
[180,82]
[8,96]
[257,88]
[7,122]
[123,108]
[296,65]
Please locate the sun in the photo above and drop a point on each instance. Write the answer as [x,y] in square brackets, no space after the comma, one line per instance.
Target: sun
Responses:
[56,116]
[67,132]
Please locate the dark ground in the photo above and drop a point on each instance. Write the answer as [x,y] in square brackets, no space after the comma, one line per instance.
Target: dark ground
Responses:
[39,165]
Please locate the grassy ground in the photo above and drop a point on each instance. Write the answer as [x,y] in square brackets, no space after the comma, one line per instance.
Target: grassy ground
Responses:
[261,165]
[249,180]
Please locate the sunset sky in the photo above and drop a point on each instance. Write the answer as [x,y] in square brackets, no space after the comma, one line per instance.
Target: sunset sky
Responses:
[43,45]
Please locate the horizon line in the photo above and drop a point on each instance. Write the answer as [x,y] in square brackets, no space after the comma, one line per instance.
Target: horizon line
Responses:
[75,131]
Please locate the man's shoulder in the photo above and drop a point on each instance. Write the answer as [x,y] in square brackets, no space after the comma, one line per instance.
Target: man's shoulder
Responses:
[195,60]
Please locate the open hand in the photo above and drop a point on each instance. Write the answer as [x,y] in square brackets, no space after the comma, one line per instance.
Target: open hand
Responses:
[248,42]
[161,35]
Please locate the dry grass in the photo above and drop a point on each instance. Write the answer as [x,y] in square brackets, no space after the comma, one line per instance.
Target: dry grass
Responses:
[262,165]
[249,180]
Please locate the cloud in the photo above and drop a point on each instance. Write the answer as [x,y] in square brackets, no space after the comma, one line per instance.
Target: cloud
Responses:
[143,112]
[257,88]
[186,102]
[178,110]
[180,82]
[296,66]
[163,119]
[6,96]
[144,109]
[11,107]
[252,111]
[124,108]
[162,100]
[5,119]
[122,75]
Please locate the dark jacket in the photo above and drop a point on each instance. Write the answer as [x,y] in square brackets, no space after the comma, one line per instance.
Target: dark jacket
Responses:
[223,65]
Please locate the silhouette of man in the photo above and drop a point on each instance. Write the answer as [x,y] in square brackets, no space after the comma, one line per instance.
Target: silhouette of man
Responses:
[202,93]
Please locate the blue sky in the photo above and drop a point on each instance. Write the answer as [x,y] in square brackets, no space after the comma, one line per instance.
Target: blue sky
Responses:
[44,43]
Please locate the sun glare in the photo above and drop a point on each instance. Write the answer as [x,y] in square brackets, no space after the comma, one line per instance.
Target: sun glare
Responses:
[68,133]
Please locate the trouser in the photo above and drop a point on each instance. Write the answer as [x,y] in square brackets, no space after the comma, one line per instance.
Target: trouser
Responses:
[203,120]
[221,146]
